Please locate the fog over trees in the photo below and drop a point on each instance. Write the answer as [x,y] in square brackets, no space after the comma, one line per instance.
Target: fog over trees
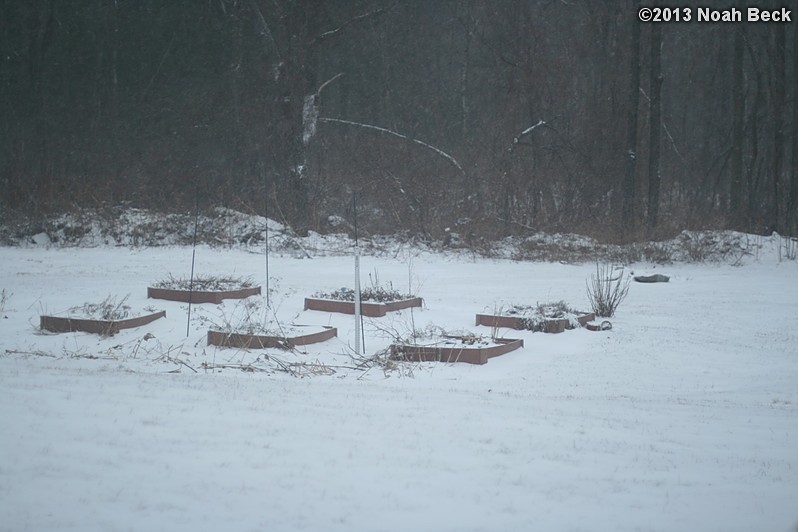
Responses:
[489,117]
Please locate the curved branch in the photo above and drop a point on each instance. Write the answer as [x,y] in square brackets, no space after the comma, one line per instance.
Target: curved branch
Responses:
[395,134]
[529,130]
[323,85]
[359,18]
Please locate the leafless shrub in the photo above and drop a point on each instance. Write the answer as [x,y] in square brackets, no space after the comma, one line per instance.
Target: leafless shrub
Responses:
[248,316]
[403,331]
[697,246]
[713,246]
[109,309]
[606,292]
[374,292]
[253,316]
[391,360]
[657,253]
[572,249]
[788,249]
[384,361]
[5,295]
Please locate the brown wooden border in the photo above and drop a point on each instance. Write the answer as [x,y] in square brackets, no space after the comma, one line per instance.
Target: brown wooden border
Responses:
[367,308]
[517,323]
[256,341]
[469,355]
[201,296]
[104,327]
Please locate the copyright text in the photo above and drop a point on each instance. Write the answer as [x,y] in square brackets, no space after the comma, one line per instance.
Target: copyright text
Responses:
[706,14]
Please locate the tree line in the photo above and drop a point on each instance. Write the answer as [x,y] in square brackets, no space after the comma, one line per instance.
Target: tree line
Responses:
[484,118]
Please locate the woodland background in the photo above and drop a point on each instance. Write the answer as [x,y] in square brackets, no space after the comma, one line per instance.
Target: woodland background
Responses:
[496,117]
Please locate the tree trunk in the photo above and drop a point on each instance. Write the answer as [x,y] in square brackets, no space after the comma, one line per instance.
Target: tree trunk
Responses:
[793,203]
[778,104]
[630,178]
[464,78]
[738,117]
[296,81]
[655,107]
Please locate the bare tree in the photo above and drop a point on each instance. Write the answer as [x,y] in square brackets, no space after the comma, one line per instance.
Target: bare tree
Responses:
[793,203]
[629,189]
[778,104]
[738,118]
[655,111]
[297,31]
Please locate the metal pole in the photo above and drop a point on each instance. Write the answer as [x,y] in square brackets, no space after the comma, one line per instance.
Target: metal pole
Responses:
[358,346]
[266,214]
[193,256]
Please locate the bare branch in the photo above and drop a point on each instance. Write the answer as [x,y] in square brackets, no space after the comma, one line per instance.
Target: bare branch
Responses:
[323,85]
[667,132]
[160,65]
[529,130]
[266,29]
[310,111]
[358,18]
[395,134]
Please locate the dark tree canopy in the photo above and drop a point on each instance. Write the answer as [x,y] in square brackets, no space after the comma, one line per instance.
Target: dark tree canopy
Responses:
[494,116]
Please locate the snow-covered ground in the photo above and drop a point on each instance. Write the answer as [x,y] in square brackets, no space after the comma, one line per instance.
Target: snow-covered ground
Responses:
[683,417]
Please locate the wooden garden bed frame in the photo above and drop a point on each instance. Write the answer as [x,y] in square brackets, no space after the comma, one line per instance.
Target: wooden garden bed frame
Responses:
[466,354]
[554,325]
[367,308]
[105,327]
[201,296]
[257,341]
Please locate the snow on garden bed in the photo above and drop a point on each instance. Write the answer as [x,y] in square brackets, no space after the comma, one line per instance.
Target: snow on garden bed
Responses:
[203,289]
[552,317]
[467,348]
[106,318]
[375,301]
[253,324]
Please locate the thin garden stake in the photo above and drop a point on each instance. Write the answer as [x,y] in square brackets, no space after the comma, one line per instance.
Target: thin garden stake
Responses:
[193,256]
[358,316]
[266,232]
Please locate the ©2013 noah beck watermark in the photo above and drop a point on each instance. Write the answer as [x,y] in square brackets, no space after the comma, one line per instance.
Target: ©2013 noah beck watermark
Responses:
[708,14]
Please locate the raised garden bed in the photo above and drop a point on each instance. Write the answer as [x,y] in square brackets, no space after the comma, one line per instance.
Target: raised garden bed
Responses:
[367,308]
[262,341]
[550,318]
[201,296]
[375,301]
[469,350]
[96,326]
[202,289]
[107,317]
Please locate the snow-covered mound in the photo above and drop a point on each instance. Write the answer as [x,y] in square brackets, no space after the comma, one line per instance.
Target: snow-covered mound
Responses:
[223,227]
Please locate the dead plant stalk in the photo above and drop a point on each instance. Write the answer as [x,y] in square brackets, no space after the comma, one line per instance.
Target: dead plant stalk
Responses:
[606,292]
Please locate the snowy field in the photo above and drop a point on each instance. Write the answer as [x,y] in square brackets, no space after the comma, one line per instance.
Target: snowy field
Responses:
[683,417]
